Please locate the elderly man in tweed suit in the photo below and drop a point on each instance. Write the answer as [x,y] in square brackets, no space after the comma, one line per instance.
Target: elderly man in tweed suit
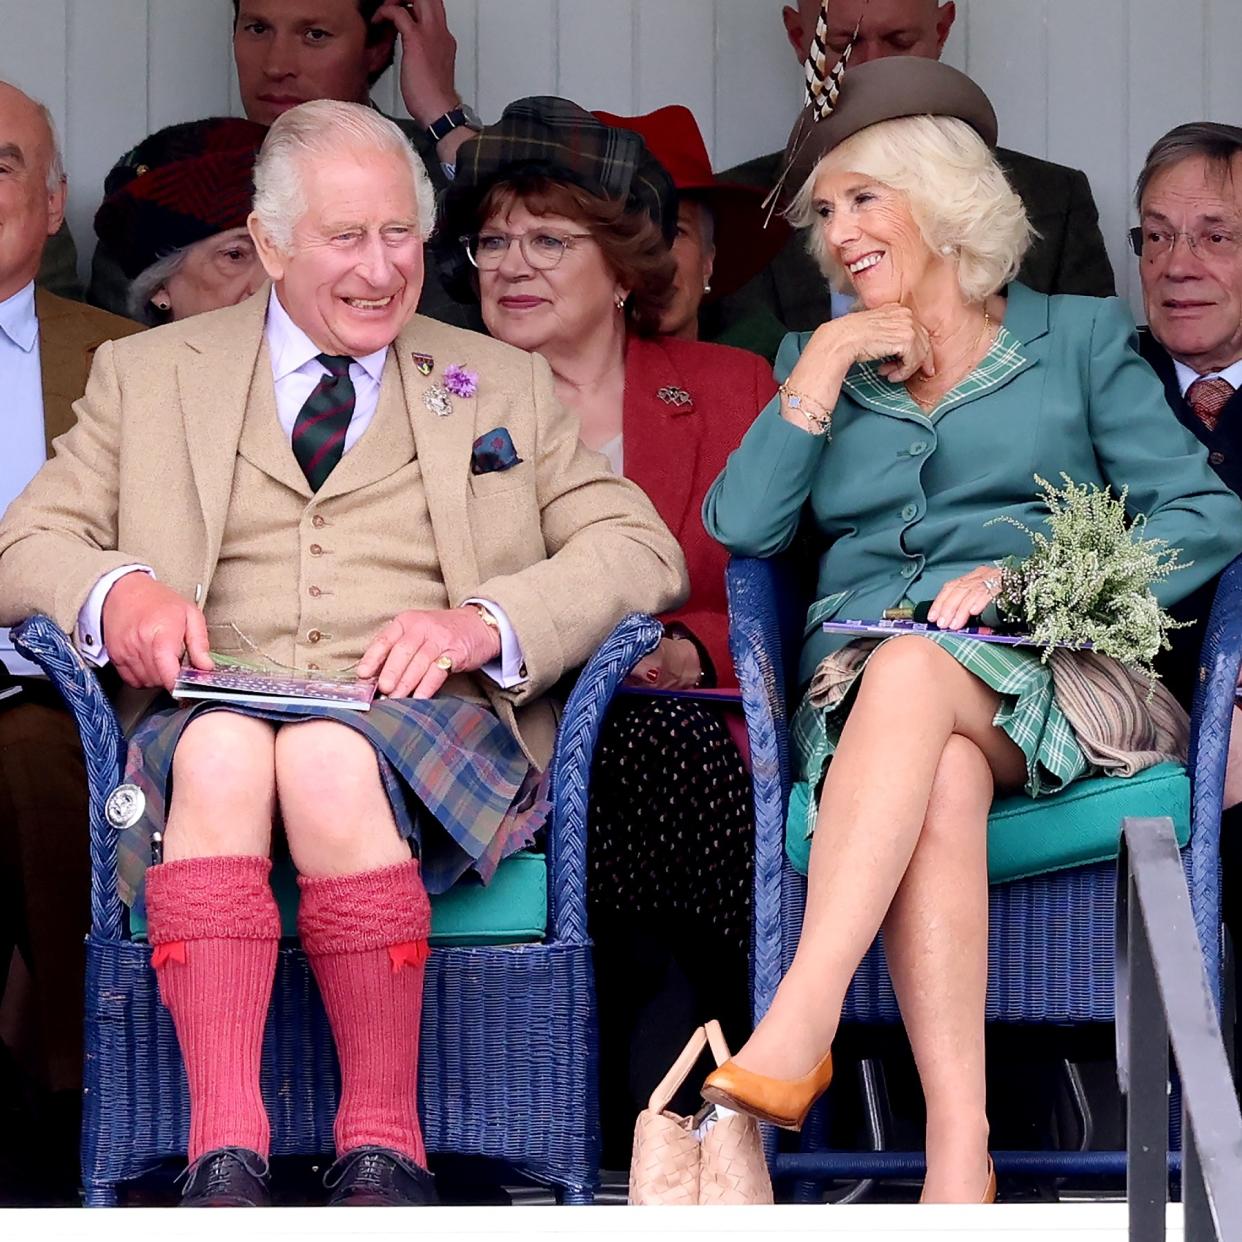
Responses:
[320,476]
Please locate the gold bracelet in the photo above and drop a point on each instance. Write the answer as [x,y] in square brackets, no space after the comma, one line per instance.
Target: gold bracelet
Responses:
[820,418]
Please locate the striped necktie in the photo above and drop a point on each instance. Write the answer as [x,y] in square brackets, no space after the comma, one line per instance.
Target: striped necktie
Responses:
[1208,397]
[322,423]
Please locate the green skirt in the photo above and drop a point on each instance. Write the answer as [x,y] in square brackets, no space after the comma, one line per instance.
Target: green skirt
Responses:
[1028,714]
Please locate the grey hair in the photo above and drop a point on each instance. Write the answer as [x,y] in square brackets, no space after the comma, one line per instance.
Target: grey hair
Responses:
[1213,141]
[144,285]
[957,193]
[56,161]
[326,127]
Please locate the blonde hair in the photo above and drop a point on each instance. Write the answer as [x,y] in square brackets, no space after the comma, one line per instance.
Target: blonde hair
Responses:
[326,127]
[957,192]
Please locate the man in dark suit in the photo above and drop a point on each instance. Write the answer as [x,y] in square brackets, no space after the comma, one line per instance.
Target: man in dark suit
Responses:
[1189,243]
[290,51]
[1068,255]
[46,346]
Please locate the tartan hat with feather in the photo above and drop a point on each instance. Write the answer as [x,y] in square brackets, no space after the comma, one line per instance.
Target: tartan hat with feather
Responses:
[543,135]
[177,187]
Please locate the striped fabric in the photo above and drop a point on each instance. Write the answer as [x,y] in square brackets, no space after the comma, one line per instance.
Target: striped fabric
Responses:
[1028,714]
[864,382]
[323,422]
[457,781]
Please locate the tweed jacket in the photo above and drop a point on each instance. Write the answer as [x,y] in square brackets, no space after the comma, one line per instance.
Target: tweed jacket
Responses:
[900,502]
[69,334]
[674,449]
[1068,255]
[560,544]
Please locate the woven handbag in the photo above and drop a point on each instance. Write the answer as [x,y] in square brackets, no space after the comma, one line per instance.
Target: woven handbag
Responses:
[713,1156]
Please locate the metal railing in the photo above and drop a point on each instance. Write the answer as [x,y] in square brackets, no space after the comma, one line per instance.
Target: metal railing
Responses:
[1163,998]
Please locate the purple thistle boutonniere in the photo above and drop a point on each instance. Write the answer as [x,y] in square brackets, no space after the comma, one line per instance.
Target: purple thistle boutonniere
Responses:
[460,382]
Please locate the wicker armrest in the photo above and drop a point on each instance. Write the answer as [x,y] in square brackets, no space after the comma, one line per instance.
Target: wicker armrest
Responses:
[103,747]
[1210,720]
[599,680]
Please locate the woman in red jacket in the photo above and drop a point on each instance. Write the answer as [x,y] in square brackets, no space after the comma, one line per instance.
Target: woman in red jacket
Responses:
[560,226]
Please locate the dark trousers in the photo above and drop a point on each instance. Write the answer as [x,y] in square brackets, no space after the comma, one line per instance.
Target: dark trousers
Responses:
[45,876]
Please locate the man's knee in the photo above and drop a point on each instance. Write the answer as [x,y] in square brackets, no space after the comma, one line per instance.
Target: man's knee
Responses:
[327,782]
[223,786]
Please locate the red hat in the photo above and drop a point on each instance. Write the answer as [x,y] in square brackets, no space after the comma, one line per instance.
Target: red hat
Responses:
[743,246]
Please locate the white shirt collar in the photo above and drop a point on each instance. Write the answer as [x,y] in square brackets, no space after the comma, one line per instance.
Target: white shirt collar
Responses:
[1187,375]
[18,320]
[292,349]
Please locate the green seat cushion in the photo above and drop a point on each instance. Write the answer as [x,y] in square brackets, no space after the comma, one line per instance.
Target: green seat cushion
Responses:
[1078,826]
[512,909]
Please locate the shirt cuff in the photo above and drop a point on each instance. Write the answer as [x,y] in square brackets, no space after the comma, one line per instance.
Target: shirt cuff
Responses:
[509,668]
[88,637]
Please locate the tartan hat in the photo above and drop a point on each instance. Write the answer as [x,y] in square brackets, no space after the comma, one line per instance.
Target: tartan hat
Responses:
[177,187]
[743,247]
[543,135]
[883,90]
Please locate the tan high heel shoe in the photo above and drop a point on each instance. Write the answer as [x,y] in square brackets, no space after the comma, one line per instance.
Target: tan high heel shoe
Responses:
[989,1191]
[780,1101]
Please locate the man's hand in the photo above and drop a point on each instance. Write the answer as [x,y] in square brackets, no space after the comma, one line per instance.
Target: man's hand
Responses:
[428,57]
[405,651]
[673,665]
[146,627]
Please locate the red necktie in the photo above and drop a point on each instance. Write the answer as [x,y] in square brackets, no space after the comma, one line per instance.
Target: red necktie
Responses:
[323,422]
[1208,397]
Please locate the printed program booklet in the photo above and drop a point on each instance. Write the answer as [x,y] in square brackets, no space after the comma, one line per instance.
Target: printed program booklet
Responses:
[984,633]
[234,683]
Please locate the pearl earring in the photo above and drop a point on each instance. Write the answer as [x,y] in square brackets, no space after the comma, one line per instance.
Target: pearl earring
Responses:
[620,301]
[162,304]
[707,286]
[948,250]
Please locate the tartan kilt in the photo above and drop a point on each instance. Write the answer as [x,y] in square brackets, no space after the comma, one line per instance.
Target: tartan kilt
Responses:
[461,790]
[1028,714]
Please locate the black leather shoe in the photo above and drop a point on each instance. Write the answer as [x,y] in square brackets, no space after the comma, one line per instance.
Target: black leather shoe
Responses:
[378,1177]
[227,1177]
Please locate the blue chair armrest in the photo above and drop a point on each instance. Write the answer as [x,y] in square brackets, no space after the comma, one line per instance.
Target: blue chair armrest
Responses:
[599,680]
[1211,718]
[763,609]
[103,746]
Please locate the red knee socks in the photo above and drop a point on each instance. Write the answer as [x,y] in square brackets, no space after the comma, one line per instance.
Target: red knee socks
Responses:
[215,928]
[366,937]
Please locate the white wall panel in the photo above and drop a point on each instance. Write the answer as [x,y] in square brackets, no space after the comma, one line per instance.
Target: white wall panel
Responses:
[675,58]
[595,54]
[517,52]
[1090,83]
[190,49]
[98,136]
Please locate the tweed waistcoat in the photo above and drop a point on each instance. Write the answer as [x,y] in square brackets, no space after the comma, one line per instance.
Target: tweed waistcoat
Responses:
[309,579]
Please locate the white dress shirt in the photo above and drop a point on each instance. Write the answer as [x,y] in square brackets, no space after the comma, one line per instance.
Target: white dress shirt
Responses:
[295,373]
[22,443]
[1187,376]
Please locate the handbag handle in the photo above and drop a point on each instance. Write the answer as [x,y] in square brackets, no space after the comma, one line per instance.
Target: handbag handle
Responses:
[679,1072]
[715,1037]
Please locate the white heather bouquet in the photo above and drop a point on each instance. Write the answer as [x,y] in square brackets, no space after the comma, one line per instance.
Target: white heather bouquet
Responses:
[1088,578]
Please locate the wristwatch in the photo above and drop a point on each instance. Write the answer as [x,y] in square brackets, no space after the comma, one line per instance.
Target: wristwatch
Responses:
[444,125]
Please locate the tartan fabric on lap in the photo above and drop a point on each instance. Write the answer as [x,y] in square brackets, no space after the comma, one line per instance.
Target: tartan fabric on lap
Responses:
[1028,713]
[457,781]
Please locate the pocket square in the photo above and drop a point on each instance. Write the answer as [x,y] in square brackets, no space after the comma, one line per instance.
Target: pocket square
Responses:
[493,451]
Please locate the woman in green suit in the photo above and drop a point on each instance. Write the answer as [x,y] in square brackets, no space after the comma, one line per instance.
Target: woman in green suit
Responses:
[900,430]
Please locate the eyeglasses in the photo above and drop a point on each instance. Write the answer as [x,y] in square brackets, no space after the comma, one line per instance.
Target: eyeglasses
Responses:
[542,249]
[1208,243]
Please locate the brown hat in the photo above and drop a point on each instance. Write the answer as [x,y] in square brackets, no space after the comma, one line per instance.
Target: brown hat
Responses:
[882,90]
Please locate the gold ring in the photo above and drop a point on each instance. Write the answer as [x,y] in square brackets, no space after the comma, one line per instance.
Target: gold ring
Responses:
[444,662]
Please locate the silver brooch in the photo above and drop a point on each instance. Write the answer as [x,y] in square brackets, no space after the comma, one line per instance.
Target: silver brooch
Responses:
[124,807]
[673,396]
[438,401]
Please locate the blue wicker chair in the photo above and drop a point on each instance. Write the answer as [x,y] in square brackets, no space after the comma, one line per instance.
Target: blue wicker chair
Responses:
[509,1043]
[1051,938]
